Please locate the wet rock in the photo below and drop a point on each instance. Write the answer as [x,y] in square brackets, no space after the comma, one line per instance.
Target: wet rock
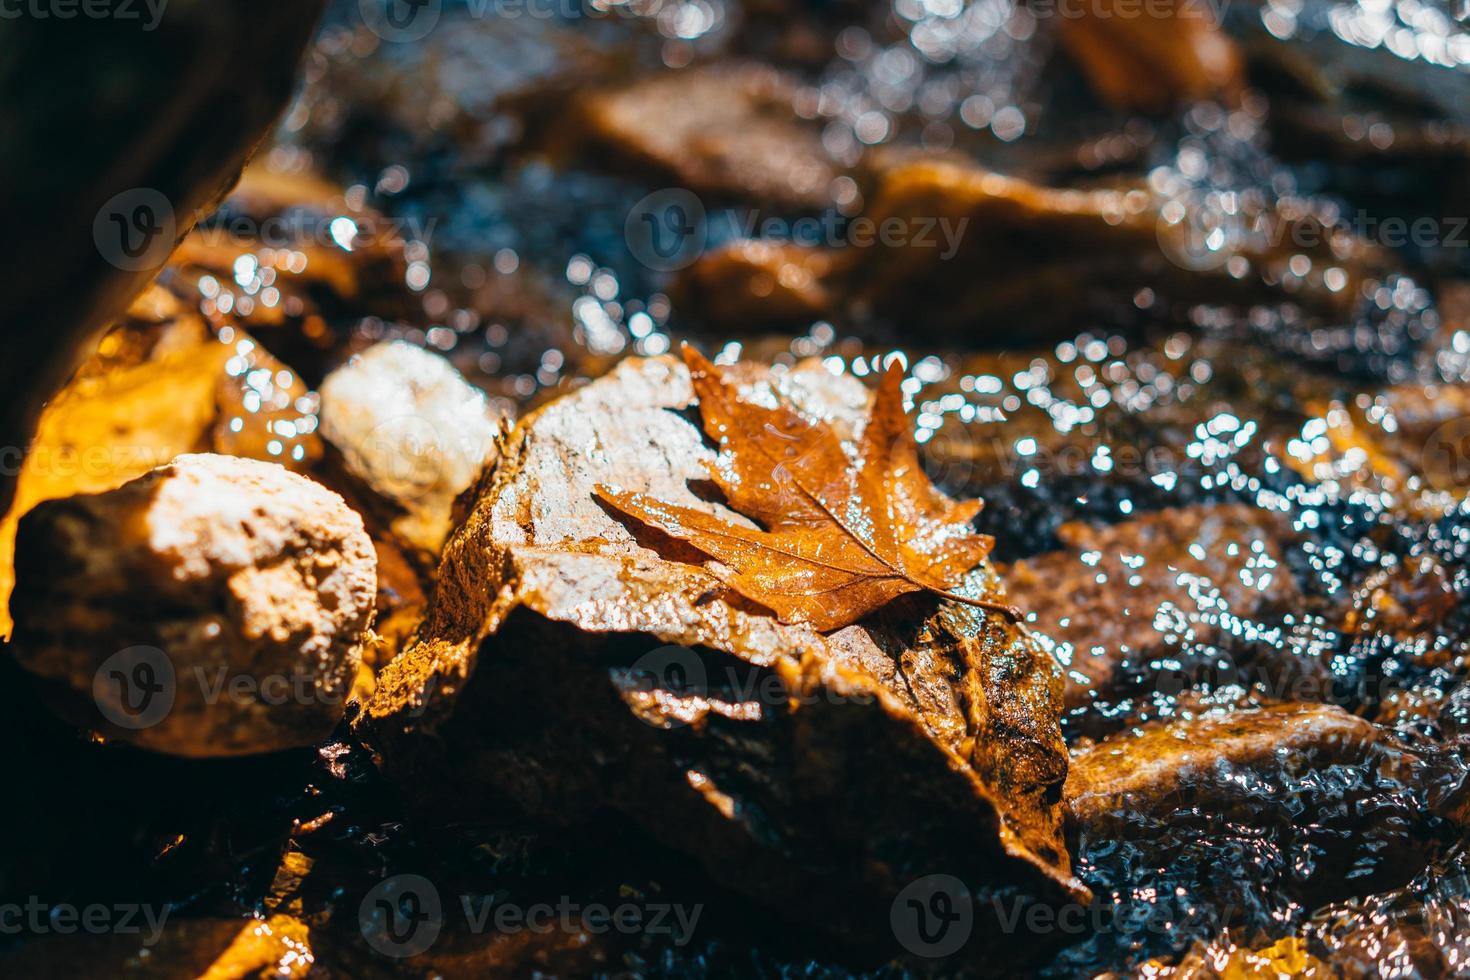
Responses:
[478,85]
[726,130]
[1400,438]
[264,409]
[413,430]
[1222,958]
[1117,240]
[1046,256]
[1417,930]
[229,596]
[528,314]
[819,774]
[119,161]
[1387,130]
[1415,597]
[161,383]
[1244,822]
[1278,766]
[289,258]
[459,950]
[1167,766]
[1153,59]
[754,282]
[1139,602]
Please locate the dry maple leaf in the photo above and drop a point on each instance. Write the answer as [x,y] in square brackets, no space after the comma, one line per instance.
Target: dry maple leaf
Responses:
[844,534]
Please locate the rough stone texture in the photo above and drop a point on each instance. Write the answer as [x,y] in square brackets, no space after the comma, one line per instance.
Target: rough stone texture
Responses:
[1121,597]
[571,667]
[411,428]
[233,569]
[160,384]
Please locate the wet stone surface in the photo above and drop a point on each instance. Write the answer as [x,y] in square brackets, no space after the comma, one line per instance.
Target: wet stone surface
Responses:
[1258,444]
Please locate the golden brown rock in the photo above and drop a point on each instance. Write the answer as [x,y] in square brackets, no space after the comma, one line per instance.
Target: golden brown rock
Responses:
[1171,765]
[1154,56]
[212,607]
[945,245]
[571,667]
[1039,248]
[1371,810]
[160,384]
[725,130]
[1224,959]
[1399,438]
[746,283]
[289,258]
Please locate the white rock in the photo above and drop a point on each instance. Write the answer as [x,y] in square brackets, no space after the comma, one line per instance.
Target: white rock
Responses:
[410,426]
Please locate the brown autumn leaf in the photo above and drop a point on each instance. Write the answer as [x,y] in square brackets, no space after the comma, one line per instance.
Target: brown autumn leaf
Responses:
[844,533]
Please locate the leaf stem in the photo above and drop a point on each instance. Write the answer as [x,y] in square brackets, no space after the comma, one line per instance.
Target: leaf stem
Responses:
[1005,609]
